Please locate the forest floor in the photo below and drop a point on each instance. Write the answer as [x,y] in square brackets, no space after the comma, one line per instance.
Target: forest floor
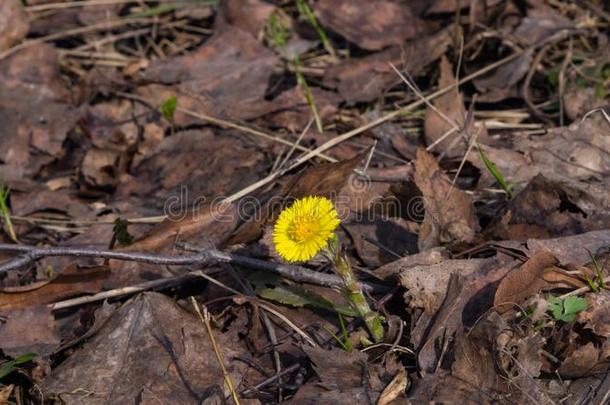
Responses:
[147,149]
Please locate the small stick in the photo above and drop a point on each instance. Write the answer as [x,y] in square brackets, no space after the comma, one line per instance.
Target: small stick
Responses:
[271,379]
[120,292]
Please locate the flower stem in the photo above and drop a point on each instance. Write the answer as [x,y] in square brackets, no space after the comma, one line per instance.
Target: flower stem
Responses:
[352,291]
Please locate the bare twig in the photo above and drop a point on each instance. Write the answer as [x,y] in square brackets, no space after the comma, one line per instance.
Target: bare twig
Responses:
[30,254]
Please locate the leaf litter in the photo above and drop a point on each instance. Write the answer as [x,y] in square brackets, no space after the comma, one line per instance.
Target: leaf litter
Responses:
[476,216]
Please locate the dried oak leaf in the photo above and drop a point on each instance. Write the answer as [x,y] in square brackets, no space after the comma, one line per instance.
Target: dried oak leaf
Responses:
[370,25]
[149,351]
[539,273]
[450,214]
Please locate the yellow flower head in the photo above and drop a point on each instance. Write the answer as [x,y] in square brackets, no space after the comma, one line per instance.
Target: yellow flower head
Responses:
[304,228]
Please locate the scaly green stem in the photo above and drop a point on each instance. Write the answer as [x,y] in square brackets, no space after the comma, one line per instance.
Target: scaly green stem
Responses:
[352,290]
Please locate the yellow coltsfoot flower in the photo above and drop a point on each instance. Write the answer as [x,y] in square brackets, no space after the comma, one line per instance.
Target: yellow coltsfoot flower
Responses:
[304,228]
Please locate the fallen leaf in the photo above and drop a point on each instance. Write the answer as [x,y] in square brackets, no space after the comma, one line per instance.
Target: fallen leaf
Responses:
[371,26]
[225,78]
[13,23]
[400,266]
[193,169]
[150,350]
[450,214]
[249,15]
[324,179]
[71,282]
[572,249]
[450,6]
[451,104]
[541,22]
[381,240]
[29,329]
[364,79]
[580,362]
[344,375]
[539,273]
[596,317]
[394,389]
[207,225]
[426,283]
[35,114]
[501,82]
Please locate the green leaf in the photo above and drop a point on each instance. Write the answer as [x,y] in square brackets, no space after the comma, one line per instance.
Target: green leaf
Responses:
[168,107]
[308,95]
[493,169]
[306,11]
[272,287]
[565,310]
[9,366]
[574,305]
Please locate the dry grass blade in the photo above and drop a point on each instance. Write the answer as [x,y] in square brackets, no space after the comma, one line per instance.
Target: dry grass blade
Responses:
[76,31]
[205,320]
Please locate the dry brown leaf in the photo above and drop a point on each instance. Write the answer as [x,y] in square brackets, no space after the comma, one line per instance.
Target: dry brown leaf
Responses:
[400,266]
[395,388]
[467,298]
[225,78]
[343,376]
[364,79]
[580,362]
[541,22]
[501,82]
[71,282]
[248,15]
[35,116]
[450,214]
[597,315]
[29,329]
[380,240]
[13,23]
[539,273]
[209,225]
[323,180]
[151,350]
[451,104]
[370,25]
